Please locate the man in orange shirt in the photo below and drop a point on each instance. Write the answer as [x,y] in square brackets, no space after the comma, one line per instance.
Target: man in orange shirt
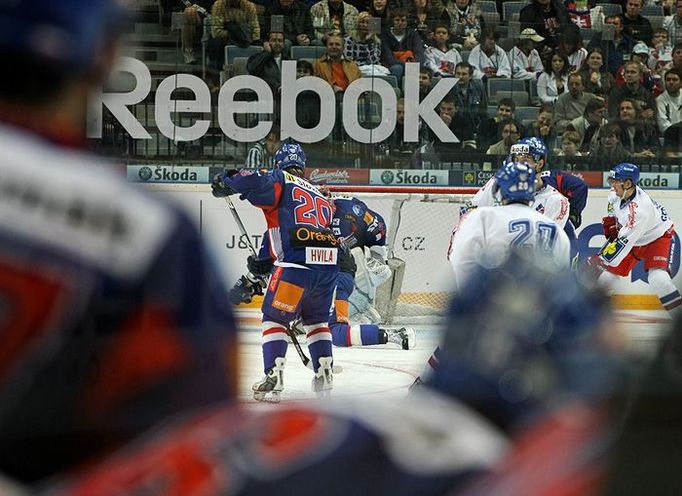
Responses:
[334,68]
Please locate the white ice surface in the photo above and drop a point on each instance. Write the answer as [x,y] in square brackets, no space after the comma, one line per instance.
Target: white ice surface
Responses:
[386,371]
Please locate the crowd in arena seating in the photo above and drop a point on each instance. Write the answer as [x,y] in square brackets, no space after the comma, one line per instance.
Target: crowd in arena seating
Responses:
[596,80]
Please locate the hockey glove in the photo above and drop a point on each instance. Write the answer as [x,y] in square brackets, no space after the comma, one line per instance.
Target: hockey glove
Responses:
[247,286]
[258,267]
[576,219]
[219,188]
[347,261]
[594,266]
[466,208]
[610,226]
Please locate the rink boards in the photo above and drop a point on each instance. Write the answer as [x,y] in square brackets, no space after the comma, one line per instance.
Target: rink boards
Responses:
[421,238]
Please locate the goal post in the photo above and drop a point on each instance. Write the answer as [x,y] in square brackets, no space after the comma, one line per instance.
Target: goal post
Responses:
[419,222]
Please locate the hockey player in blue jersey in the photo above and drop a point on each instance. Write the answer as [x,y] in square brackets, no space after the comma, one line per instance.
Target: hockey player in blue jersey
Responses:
[107,294]
[305,253]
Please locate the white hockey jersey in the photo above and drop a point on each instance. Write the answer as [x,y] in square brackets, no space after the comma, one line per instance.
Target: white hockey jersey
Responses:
[487,235]
[547,201]
[641,220]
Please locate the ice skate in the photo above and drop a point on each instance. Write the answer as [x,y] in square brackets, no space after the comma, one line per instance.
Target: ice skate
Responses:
[270,387]
[323,381]
[404,337]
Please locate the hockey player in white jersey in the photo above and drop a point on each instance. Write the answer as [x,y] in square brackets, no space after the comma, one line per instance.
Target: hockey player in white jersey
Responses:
[637,228]
[487,235]
[547,200]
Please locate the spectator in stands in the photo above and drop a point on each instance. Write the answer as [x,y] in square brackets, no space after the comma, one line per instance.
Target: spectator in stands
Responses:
[365,48]
[396,142]
[382,10]
[596,79]
[262,154]
[298,24]
[192,27]
[466,22]
[488,59]
[570,145]
[490,130]
[425,81]
[661,53]
[463,131]
[268,63]
[524,58]
[307,102]
[632,89]
[401,45]
[640,53]
[614,49]
[571,43]
[439,57]
[571,104]
[546,17]
[333,16]
[669,103]
[511,133]
[554,79]
[636,25]
[638,134]
[333,67]
[469,94]
[677,56]
[673,24]
[423,17]
[609,151]
[588,125]
[233,22]
[543,127]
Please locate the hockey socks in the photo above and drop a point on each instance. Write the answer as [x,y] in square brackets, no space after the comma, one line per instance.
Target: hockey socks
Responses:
[319,339]
[275,342]
[670,297]
[345,335]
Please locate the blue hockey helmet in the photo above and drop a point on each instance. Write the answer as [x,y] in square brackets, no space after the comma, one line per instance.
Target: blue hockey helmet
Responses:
[290,155]
[623,171]
[516,181]
[64,33]
[535,147]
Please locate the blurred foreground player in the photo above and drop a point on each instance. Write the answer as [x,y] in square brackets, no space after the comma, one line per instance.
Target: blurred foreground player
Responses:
[487,235]
[108,297]
[503,375]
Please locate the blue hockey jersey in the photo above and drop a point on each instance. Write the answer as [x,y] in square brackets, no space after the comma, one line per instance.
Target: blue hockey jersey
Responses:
[357,224]
[297,215]
[569,185]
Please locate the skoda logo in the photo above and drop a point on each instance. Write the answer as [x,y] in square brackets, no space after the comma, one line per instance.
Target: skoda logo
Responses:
[387,177]
[145,173]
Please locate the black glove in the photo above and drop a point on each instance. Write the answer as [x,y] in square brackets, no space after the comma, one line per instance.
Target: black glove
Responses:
[219,188]
[258,267]
[347,261]
[247,286]
[576,219]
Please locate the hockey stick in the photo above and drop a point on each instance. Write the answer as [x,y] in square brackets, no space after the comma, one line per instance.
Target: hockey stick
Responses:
[240,225]
[337,369]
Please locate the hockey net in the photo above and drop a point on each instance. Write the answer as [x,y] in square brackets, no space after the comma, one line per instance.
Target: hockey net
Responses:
[419,222]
